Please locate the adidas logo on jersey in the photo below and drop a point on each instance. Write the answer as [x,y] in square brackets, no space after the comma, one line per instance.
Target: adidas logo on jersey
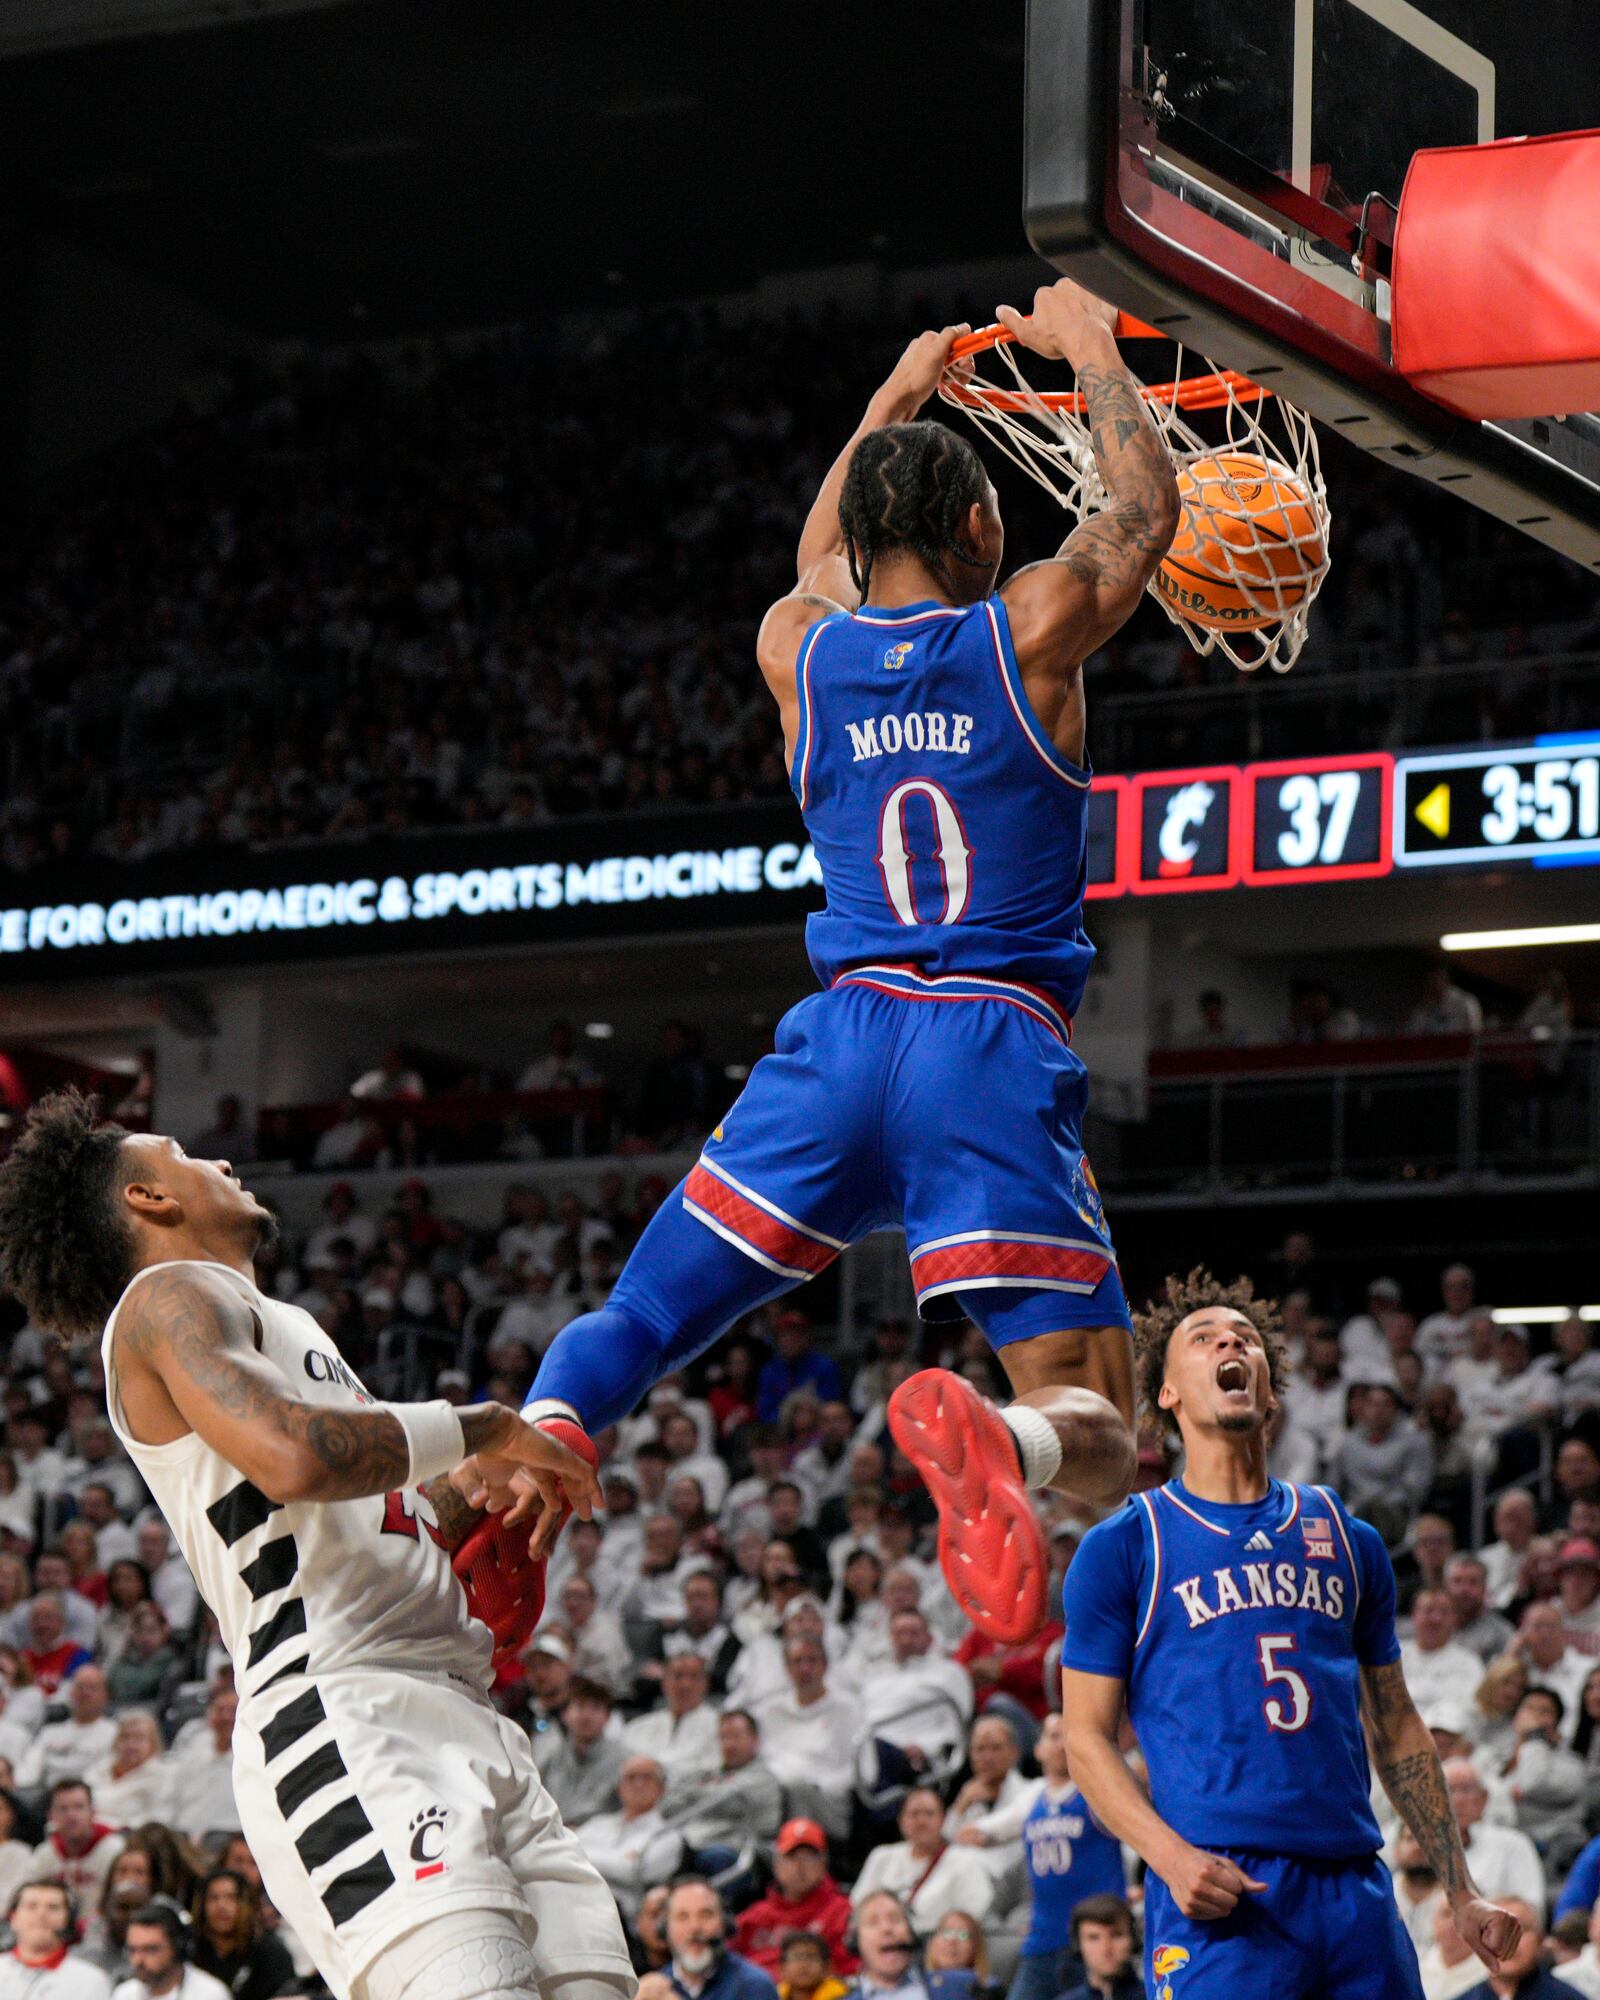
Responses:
[1259,1540]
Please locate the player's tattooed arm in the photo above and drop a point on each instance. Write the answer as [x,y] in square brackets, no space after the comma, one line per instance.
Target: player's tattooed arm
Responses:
[194,1334]
[1406,1761]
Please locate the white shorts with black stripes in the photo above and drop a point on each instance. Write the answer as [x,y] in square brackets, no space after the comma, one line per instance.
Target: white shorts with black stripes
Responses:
[376,1801]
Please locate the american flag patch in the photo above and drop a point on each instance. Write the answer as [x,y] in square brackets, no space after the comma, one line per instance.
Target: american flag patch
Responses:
[1319,1538]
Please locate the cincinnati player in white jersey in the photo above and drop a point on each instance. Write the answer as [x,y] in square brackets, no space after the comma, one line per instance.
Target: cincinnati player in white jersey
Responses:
[398,1819]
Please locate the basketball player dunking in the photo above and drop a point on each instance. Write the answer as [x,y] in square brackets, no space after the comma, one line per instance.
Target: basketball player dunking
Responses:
[1248,1628]
[399,1822]
[935,737]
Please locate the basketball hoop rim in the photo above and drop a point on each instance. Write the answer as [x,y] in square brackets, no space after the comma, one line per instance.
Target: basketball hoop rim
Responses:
[1211,391]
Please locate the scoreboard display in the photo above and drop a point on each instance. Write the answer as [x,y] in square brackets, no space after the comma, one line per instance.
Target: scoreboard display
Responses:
[1512,802]
[1323,819]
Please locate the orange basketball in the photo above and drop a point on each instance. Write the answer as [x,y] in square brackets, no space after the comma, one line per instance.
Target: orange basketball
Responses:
[1249,548]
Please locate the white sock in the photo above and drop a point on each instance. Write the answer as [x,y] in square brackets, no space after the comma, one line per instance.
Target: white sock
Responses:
[1037,1442]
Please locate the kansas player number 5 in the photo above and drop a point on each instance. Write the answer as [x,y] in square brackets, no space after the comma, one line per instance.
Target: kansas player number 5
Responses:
[911,813]
[1291,1710]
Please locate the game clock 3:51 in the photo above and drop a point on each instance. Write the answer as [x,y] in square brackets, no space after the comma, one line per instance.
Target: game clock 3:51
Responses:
[1489,805]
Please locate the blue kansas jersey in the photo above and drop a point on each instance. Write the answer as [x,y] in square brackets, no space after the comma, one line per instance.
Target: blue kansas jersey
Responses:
[1240,1632]
[950,830]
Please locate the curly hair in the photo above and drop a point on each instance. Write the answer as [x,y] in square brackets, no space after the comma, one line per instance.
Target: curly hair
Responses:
[1154,1327]
[67,1251]
[909,487]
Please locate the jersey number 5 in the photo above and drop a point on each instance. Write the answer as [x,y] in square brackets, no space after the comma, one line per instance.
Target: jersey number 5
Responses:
[1298,1712]
[912,809]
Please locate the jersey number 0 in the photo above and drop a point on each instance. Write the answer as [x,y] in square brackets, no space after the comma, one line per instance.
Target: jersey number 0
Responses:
[916,804]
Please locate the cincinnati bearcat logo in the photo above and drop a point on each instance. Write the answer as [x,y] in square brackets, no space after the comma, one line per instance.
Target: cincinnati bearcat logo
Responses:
[428,1835]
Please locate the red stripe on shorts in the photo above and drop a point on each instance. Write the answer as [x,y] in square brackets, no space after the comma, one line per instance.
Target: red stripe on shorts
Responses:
[761,1231]
[1021,1261]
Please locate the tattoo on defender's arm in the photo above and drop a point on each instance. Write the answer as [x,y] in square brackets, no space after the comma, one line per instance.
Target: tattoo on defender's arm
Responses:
[1120,547]
[1414,1777]
[179,1325]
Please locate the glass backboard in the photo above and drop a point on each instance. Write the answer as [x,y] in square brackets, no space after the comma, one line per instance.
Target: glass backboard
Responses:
[1230,170]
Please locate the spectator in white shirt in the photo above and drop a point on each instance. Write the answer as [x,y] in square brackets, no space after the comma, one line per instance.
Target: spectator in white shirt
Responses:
[52,1577]
[562,1066]
[1444,1008]
[681,1735]
[390,1077]
[917,1705]
[171,1584]
[1443,1334]
[114,1540]
[823,1468]
[37,1967]
[529,1234]
[1437,1667]
[70,1748]
[633,1848]
[599,1650]
[987,1813]
[156,1945]
[1518,1394]
[133,1783]
[655,1596]
[1474,1371]
[929,1875]
[680,1438]
[41,1470]
[1576,1365]
[1385,1461]
[808,1732]
[1541,1643]
[203,1800]
[1480,1630]
[1364,1338]
[1503,1860]
[1516,1523]
[79,1849]
[745,1504]
[1449,1967]
[1545,1781]
[345,1224]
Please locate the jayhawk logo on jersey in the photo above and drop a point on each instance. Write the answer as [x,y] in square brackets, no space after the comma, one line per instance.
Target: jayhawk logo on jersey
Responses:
[1165,1960]
[897,656]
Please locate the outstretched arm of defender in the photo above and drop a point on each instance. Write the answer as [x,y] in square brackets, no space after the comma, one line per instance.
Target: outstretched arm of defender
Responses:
[1074,602]
[192,1336]
[1203,1885]
[1405,1758]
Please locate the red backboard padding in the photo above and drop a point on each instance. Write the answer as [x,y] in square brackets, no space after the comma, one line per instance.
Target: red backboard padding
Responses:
[1496,309]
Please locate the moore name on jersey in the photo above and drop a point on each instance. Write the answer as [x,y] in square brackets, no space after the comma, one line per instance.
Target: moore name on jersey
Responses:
[921,729]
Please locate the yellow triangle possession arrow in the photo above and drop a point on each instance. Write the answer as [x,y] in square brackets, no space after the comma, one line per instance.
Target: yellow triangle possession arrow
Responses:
[1434,812]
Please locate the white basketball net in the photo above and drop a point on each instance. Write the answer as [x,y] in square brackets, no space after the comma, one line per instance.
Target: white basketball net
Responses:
[1053,447]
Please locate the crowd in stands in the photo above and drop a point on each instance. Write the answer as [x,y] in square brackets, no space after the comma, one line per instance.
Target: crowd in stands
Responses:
[506,582]
[1317,1013]
[751,1681]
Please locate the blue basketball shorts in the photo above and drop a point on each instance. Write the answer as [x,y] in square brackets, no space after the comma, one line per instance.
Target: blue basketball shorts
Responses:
[1322,1930]
[951,1107]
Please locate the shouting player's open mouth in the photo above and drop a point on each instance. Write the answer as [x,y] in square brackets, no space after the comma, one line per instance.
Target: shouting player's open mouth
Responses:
[1233,1377]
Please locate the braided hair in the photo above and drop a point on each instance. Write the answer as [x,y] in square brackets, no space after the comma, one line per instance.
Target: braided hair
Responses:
[909,487]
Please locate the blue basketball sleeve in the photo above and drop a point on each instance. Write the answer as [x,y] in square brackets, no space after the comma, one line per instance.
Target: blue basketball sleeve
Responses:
[1100,1599]
[1377,1644]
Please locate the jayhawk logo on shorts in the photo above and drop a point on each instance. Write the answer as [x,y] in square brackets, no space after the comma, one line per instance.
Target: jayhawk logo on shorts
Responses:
[897,656]
[1086,1196]
[1165,1960]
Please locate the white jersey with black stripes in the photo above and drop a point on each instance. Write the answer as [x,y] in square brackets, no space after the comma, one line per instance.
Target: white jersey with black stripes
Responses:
[307,1587]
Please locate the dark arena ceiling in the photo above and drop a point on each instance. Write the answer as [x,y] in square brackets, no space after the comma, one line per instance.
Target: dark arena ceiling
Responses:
[399,166]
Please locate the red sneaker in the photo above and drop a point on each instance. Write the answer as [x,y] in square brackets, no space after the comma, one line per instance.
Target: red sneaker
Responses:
[505,1586]
[991,1547]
